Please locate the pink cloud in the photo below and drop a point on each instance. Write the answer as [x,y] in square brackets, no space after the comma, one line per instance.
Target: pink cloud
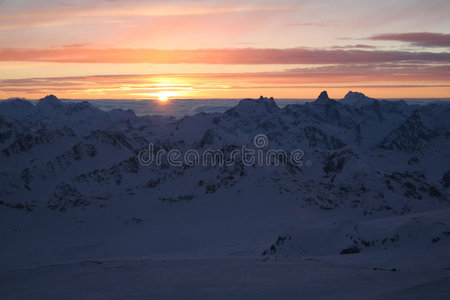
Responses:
[220,56]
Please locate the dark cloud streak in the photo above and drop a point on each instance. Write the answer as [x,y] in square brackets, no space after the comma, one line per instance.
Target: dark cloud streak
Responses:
[424,39]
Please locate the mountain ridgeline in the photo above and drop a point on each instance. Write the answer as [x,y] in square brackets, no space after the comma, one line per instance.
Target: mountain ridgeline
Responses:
[363,153]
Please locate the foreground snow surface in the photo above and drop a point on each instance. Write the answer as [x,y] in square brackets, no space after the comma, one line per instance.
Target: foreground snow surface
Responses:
[219,279]
[211,254]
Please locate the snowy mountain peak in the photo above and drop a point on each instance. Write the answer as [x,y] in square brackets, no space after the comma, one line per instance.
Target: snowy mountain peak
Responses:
[18,99]
[15,107]
[252,106]
[17,102]
[357,98]
[51,101]
[81,106]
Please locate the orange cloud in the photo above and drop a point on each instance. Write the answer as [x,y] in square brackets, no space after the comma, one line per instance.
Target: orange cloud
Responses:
[433,80]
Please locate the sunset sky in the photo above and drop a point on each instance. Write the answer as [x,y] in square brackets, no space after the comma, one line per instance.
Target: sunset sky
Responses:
[135,49]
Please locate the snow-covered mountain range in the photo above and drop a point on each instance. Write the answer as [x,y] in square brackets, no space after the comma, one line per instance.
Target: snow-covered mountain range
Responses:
[374,178]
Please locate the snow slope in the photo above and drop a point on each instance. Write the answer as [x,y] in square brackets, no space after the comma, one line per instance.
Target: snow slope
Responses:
[218,279]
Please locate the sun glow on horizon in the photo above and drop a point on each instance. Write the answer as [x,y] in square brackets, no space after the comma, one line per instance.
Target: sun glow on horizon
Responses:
[163,97]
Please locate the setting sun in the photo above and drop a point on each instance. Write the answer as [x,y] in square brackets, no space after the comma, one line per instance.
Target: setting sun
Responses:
[163,97]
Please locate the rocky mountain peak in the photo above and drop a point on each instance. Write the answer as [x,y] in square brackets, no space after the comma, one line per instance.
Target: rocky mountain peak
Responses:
[323,98]
[256,105]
